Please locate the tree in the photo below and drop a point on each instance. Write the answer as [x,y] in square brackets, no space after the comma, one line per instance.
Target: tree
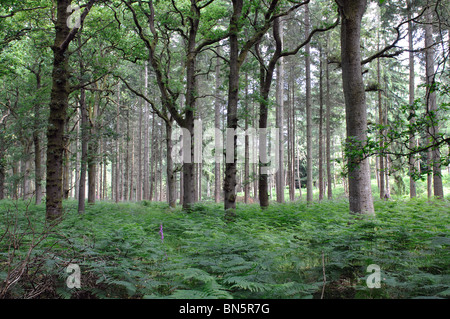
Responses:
[58,106]
[360,193]
[434,154]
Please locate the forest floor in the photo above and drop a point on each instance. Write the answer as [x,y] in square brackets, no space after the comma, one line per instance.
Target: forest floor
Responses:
[292,250]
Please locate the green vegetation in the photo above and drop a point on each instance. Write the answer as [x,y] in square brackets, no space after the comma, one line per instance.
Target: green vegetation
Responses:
[280,252]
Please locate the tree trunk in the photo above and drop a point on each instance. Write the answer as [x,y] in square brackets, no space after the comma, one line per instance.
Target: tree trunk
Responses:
[246,145]
[37,147]
[131,195]
[171,185]
[117,168]
[321,187]
[66,163]
[279,120]
[146,174]
[232,120]
[309,165]
[328,127]
[360,193]
[59,102]
[381,123]
[412,142]
[218,157]
[432,105]
[153,160]
[92,151]
[84,152]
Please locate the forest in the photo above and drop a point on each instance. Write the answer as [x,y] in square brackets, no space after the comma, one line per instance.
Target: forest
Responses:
[214,149]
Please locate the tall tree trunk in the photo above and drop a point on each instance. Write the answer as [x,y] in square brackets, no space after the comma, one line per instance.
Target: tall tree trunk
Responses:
[66,163]
[105,181]
[328,127]
[59,100]
[309,165]
[84,152]
[232,120]
[146,164]
[171,181]
[218,155]
[139,154]
[360,193]
[381,123]
[117,168]
[321,186]
[153,160]
[246,145]
[432,105]
[412,142]
[37,146]
[92,151]
[126,191]
[280,174]
[131,195]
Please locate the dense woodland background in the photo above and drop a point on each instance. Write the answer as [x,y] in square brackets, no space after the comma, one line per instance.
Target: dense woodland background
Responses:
[93,98]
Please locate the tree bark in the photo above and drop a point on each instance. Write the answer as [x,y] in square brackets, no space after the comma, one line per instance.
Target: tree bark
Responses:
[280,174]
[309,166]
[321,186]
[146,174]
[232,120]
[432,105]
[412,142]
[117,166]
[84,152]
[37,146]
[328,127]
[59,100]
[360,193]
[171,181]
[92,153]
[218,157]
[381,123]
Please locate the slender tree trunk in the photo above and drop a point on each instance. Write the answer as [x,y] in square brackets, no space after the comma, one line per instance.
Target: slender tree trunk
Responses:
[126,191]
[232,120]
[412,142]
[246,146]
[92,157]
[432,105]
[309,166]
[37,146]
[139,154]
[146,164]
[131,194]
[381,123]
[153,160]
[321,186]
[117,169]
[84,152]
[171,181]
[328,127]
[280,174]
[360,193]
[218,157]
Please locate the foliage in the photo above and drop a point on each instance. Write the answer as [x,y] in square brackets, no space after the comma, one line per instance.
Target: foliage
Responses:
[280,252]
